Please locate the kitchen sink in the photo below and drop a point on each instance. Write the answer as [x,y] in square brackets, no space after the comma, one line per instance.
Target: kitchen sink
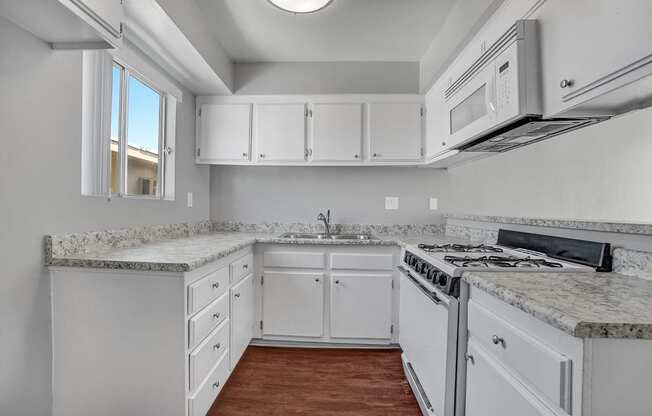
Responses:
[315,236]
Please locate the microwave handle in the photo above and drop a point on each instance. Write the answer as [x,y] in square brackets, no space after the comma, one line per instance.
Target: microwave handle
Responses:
[490,96]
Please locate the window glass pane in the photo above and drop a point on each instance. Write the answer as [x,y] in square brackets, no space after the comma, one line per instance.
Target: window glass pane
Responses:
[115,129]
[143,124]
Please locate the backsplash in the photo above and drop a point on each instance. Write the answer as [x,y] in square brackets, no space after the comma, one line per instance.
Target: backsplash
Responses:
[376,229]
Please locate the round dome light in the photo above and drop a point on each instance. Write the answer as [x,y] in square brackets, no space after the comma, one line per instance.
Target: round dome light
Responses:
[301,6]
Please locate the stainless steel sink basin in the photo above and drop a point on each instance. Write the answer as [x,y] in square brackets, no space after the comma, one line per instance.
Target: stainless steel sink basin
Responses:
[327,236]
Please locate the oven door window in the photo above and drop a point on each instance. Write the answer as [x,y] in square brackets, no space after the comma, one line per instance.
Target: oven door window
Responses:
[473,108]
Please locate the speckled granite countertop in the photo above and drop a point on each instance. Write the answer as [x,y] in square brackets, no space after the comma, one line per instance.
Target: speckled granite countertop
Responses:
[584,305]
[189,253]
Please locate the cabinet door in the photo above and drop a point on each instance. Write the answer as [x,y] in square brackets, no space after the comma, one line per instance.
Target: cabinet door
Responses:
[337,132]
[280,131]
[395,131]
[361,305]
[595,44]
[224,133]
[491,391]
[107,14]
[293,304]
[242,317]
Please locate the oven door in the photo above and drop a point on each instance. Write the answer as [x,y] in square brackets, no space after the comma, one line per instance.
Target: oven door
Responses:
[428,337]
[487,101]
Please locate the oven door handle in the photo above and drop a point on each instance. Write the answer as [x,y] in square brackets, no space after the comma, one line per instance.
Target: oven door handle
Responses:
[432,295]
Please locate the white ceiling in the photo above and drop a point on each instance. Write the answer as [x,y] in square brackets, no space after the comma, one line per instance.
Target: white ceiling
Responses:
[347,30]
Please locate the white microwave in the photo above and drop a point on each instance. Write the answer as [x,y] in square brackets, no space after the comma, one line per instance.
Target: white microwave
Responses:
[495,104]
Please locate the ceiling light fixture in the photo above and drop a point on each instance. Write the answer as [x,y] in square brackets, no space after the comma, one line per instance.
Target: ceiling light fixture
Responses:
[300,6]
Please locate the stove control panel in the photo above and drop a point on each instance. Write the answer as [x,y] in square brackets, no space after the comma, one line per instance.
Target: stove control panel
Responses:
[434,276]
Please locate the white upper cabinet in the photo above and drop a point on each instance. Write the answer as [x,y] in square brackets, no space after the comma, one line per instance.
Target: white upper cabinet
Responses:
[361,305]
[395,132]
[224,133]
[280,132]
[69,24]
[336,132]
[590,47]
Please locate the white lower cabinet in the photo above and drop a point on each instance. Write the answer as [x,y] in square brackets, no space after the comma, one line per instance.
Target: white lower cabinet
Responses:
[202,400]
[329,294]
[361,305]
[492,391]
[293,304]
[242,317]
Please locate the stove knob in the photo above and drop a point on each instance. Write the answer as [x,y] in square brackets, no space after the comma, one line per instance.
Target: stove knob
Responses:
[418,266]
[432,275]
[443,279]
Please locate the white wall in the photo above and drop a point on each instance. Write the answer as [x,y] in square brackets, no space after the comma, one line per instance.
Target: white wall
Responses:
[602,172]
[253,194]
[327,78]
[40,162]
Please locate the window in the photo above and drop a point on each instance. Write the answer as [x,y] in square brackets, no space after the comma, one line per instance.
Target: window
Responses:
[128,126]
[137,115]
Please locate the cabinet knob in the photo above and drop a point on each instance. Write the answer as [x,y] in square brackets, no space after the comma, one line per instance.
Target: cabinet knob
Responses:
[443,143]
[244,155]
[356,156]
[216,385]
[469,357]
[498,340]
[262,155]
[565,83]
[215,285]
[217,346]
[376,155]
[317,280]
[337,282]
[245,266]
[216,315]
[237,295]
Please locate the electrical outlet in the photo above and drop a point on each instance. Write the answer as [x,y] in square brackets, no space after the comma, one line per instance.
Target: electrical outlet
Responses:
[391,202]
[434,204]
[189,199]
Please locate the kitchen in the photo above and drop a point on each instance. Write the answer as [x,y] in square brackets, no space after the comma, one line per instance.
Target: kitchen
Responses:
[123,256]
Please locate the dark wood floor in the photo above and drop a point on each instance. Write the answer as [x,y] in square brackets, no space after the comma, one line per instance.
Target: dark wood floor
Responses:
[305,381]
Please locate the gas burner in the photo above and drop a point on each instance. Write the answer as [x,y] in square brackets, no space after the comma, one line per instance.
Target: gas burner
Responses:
[500,262]
[459,248]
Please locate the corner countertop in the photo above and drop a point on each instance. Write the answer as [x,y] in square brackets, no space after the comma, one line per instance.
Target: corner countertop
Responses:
[189,253]
[584,305]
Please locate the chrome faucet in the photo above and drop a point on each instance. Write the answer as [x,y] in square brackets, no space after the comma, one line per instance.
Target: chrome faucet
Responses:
[327,221]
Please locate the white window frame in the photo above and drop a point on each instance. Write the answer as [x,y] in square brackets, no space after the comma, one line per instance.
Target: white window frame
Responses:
[125,72]
[96,121]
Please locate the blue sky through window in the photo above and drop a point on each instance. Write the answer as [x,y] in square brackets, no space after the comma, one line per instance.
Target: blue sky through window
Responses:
[143,113]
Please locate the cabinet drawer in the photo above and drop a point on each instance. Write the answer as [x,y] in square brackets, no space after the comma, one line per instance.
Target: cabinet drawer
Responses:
[294,259]
[542,368]
[358,261]
[210,287]
[200,402]
[242,267]
[200,325]
[204,357]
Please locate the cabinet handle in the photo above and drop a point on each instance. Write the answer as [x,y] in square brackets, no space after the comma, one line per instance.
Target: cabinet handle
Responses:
[566,83]
[262,155]
[356,156]
[217,346]
[469,357]
[215,285]
[216,385]
[337,282]
[237,295]
[498,340]
[443,143]
[245,266]
[216,315]
[244,155]
[376,155]
[317,280]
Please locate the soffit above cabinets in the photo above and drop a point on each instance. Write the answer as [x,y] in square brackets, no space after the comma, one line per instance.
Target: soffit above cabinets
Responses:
[302,130]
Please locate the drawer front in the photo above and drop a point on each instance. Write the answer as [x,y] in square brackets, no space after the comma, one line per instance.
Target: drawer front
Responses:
[204,357]
[200,325]
[359,261]
[210,287]
[541,367]
[294,259]
[242,267]
[202,400]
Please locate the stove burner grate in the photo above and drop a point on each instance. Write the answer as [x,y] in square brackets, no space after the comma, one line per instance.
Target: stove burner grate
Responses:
[459,248]
[500,262]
